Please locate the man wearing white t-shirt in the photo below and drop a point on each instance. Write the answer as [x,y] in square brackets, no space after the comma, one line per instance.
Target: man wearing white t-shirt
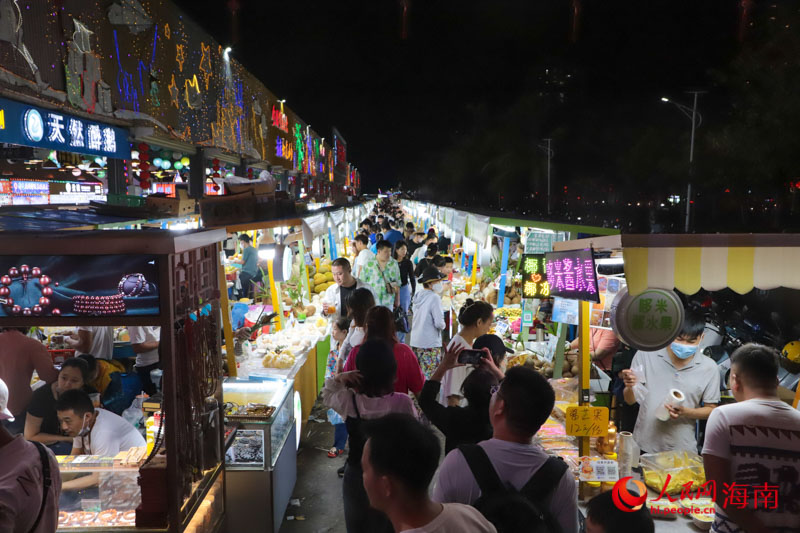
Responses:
[94,340]
[94,432]
[399,460]
[363,254]
[754,446]
[144,341]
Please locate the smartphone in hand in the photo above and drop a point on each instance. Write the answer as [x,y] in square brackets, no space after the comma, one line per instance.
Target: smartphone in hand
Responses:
[468,356]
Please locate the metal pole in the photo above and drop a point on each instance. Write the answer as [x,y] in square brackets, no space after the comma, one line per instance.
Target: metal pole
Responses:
[691,164]
[549,156]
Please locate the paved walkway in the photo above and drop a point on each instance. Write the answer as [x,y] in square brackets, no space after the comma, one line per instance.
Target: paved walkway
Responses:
[318,488]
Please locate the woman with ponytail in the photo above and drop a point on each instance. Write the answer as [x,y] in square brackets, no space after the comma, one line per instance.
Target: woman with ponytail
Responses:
[476,320]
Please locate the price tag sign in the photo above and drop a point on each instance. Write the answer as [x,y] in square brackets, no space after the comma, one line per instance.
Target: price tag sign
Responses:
[501,328]
[587,421]
[597,469]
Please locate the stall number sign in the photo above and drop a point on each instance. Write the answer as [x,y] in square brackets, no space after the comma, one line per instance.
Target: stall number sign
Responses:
[587,421]
[572,275]
[31,126]
[534,276]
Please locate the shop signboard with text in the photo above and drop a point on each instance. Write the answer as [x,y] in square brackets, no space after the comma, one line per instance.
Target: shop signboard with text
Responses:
[571,274]
[45,128]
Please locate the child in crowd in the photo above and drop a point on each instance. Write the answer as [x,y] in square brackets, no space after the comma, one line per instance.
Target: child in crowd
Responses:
[338,333]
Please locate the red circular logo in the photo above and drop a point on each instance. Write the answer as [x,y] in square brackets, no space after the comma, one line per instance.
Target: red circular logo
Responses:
[624,500]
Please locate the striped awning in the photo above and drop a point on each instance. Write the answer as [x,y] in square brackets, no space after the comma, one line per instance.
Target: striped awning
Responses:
[712,262]
[693,262]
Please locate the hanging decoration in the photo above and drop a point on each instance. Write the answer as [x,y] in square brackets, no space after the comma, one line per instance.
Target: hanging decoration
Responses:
[180,56]
[205,62]
[191,91]
[173,92]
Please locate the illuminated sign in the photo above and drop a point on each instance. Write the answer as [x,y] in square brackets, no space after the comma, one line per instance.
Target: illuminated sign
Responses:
[280,120]
[30,126]
[534,276]
[33,125]
[27,191]
[339,152]
[284,149]
[572,275]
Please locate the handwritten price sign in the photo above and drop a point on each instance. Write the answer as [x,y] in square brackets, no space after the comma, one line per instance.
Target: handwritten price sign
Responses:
[587,421]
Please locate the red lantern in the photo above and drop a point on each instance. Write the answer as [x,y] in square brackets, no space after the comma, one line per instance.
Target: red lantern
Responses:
[143,147]
[44,281]
[144,157]
[56,311]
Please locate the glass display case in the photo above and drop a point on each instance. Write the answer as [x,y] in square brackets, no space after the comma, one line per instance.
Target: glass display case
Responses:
[111,500]
[260,462]
[263,405]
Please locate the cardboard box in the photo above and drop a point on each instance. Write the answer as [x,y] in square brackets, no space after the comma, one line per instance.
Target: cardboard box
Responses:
[230,209]
[179,206]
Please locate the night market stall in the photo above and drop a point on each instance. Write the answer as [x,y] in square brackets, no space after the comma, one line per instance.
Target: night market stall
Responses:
[147,278]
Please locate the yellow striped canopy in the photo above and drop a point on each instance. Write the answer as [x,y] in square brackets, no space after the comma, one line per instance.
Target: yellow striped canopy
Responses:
[712,262]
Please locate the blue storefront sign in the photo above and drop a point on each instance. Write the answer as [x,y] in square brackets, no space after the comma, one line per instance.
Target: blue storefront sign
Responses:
[43,128]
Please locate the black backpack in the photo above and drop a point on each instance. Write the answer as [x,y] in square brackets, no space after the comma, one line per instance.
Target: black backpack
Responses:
[509,510]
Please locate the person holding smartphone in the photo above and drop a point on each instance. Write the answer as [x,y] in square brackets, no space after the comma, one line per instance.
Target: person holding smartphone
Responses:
[469,424]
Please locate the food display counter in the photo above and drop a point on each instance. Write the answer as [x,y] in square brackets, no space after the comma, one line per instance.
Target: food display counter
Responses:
[260,463]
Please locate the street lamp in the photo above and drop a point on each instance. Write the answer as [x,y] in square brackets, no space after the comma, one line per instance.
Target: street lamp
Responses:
[697,119]
[546,149]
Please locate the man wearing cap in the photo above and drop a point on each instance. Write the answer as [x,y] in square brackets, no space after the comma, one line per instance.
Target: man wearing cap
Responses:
[30,482]
[428,321]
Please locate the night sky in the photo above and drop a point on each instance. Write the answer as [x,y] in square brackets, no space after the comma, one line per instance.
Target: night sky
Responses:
[400,102]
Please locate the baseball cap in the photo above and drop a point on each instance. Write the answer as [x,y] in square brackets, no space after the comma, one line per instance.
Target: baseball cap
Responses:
[493,342]
[5,414]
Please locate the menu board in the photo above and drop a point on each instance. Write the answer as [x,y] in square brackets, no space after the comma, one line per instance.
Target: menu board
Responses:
[571,274]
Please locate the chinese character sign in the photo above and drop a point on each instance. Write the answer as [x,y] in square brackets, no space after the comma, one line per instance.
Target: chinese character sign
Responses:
[587,421]
[648,321]
[31,126]
[534,277]
[572,275]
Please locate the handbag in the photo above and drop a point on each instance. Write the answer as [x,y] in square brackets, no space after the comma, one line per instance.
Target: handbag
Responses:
[401,320]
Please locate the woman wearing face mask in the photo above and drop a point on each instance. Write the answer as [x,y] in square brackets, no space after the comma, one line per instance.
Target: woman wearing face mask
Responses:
[428,322]
[41,424]
[476,320]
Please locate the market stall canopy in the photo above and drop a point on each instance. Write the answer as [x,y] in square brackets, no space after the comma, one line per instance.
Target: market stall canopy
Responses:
[711,262]
[478,227]
[314,226]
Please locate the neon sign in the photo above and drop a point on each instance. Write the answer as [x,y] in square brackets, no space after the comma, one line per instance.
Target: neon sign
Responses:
[32,126]
[534,276]
[572,275]
[280,120]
